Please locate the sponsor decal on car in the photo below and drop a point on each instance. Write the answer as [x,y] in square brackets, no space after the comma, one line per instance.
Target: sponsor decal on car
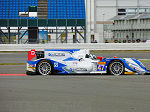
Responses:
[80,69]
[31,66]
[101,63]
[56,54]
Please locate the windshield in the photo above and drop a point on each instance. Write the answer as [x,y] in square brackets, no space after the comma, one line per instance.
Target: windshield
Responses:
[91,56]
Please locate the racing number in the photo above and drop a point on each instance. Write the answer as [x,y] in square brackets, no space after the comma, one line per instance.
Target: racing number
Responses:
[100,67]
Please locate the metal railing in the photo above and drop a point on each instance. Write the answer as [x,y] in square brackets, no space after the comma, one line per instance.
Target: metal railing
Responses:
[127,27]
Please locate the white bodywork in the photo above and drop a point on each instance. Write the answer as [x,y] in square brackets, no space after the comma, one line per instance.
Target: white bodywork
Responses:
[79,65]
[81,61]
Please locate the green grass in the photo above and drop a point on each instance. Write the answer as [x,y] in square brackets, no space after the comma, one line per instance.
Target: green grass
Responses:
[148,61]
[12,63]
[13,51]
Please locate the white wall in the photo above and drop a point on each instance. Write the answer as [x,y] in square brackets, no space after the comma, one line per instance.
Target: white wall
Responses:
[105,13]
[105,10]
[127,3]
[103,46]
[90,18]
[105,2]
[144,3]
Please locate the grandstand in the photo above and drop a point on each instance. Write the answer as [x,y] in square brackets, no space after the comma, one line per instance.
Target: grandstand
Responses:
[56,17]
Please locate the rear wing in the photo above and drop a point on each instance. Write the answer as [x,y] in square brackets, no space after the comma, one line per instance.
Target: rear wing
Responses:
[32,53]
[57,53]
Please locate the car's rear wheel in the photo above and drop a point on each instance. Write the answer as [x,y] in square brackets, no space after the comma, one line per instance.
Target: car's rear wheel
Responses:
[116,68]
[44,67]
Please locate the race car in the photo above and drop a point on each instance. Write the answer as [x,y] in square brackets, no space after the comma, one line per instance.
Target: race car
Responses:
[80,61]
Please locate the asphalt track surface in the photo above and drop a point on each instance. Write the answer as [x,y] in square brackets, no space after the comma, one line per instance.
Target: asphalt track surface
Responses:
[75,94]
[22,57]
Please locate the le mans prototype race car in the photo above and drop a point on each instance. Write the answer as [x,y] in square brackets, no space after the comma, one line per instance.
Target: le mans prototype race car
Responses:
[76,61]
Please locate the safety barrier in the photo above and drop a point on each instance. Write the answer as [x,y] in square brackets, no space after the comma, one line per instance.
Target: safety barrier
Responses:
[94,46]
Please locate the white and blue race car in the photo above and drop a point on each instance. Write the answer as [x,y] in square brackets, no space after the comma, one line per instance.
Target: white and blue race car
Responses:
[76,61]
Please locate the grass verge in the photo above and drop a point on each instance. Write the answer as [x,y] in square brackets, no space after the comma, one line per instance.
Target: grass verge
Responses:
[12,63]
[13,51]
[148,61]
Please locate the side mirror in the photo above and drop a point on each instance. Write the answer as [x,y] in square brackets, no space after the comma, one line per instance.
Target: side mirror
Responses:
[99,58]
[115,57]
[87,56]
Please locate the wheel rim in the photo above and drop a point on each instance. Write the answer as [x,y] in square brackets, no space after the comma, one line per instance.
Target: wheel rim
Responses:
[116,68]
[44,68]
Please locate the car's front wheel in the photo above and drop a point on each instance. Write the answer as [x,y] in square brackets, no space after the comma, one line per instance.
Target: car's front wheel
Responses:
[44,67]
[116,68]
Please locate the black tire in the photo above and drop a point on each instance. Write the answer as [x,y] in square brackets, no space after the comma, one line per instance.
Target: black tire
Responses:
[116,68]
[44,67]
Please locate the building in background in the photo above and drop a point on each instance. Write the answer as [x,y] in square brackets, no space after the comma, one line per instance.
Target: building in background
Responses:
[99,14]
[130,28]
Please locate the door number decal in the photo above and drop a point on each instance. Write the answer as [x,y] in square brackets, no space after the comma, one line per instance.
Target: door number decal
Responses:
[101,67]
